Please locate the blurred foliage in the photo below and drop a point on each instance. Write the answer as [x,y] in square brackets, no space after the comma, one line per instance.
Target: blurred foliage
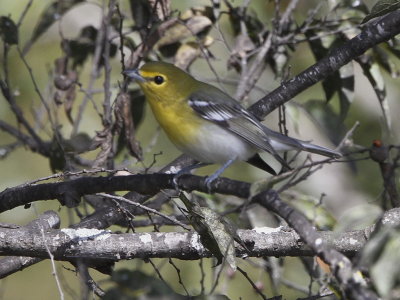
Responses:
[60,72]
[381,8]
[132,285]
[79,49]
[380,256]
[51,14]
[8,31]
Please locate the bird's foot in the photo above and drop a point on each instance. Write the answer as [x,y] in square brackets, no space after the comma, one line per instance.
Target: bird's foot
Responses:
[209,182]
[186,170]
[176,177]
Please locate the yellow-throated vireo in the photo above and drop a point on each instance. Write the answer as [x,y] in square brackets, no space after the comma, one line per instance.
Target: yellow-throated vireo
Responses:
[209,125]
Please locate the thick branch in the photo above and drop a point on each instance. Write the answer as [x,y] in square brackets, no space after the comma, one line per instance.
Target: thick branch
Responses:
[12,264]
[106,216]
[69,192]
[68,244]
[30,142]
[66,240]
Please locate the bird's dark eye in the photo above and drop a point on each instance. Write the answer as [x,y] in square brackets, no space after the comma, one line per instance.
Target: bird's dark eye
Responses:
[158,80]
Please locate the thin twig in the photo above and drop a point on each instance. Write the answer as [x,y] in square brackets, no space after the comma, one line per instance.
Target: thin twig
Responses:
[25,11]
[122,199]
[157,271]
[26,140]
[203,276]
[348,135]
[93,76]
[256,289]
[107,67]
[249,79]
[36,87]
[51,256]
[287,14]
[219,272]
[121,37]
[178,273]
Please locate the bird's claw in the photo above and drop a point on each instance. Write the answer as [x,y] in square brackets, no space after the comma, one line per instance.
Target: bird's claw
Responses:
[209,180]
[175,180]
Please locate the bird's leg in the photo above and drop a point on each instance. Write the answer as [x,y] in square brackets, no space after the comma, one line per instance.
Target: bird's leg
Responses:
[214,176]
[186,170]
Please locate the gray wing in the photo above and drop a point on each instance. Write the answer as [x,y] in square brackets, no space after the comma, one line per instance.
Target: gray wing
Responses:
[232,116]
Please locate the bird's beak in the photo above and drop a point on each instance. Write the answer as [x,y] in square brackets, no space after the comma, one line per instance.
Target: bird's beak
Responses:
[134,74]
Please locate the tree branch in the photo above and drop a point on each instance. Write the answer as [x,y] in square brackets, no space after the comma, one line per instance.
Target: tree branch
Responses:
[66,244]
[69,192]
[42,148]
[12,264]
[352,284]
[372,34]
[69,243]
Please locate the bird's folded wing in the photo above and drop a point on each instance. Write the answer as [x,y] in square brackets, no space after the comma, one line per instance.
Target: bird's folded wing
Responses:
[230,115]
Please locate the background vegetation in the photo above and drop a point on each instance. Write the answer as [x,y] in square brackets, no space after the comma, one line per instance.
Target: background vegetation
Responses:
[65,108]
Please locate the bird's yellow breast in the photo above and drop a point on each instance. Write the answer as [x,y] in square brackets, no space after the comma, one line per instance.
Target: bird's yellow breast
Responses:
[201,139]
[177,120]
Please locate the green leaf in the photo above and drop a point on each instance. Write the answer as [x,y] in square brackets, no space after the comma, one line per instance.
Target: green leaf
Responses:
[310,206]
[358,217]
[381,8]
[8,31]
[383,59]
[223,233]
[217,233]
[381,255]
[266,183]
[386,273]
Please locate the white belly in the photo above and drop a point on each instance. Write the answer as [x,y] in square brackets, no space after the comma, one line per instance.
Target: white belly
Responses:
[217,145]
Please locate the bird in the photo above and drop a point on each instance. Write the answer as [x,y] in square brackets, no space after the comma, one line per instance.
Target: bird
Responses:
[210,126]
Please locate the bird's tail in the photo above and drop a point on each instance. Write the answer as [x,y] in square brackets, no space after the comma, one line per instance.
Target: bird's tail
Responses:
[282,142]
[319,150]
